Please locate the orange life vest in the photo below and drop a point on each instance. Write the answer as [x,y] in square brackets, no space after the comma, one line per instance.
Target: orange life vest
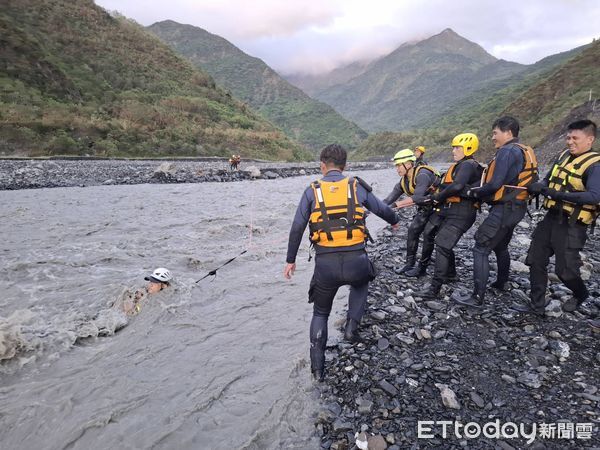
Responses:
[527,175]
[448,179]
[337,218]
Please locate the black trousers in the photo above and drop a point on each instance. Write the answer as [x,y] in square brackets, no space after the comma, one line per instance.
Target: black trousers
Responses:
[494,234]
[417,226]
[333,270]
[456,219]
[554,235]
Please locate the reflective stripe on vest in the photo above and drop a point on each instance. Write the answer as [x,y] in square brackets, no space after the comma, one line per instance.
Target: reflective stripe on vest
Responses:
[567,176]
[409,181]
[337,219]
[527,175]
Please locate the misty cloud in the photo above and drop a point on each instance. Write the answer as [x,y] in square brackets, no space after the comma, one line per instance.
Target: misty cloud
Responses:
[315,36]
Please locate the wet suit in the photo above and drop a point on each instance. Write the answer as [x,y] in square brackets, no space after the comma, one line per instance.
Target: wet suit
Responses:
[558,235]
[452,220]
[495,232]
[424,180]
[335,267]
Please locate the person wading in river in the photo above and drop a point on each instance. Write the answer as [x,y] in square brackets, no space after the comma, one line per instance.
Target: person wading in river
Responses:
[334,209]
[131,302]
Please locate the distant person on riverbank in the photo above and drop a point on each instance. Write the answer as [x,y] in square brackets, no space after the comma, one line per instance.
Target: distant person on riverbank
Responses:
[572,191]
[419,154]
[234,162]
[131,302]
[334,209]
[504,188]
[417,183]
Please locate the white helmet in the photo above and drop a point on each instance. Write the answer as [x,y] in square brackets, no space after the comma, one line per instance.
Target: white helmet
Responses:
[160,275]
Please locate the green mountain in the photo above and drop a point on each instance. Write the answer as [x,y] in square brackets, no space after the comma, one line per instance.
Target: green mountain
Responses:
[408,88]
[573,83]
[482,106]
[308,121]
[540,96]
[76,80]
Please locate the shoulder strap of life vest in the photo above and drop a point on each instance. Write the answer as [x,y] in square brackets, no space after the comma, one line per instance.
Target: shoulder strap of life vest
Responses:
[351,205]
[425,167]
[323,209]
[530,165]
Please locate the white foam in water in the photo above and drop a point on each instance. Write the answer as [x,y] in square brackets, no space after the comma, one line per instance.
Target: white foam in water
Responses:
[222,362]
[11,340]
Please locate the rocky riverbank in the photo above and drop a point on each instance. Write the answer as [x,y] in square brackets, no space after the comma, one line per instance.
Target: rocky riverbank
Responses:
[31,174]
[436,361]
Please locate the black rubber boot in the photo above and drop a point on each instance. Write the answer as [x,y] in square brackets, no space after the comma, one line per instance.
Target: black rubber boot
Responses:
[572,304]
[499,285]
[528,309]
[318,343]
[317,362]
[433,291]
[351,331]
[474,300]
[417,271]
[420,270]
[410,264]
[450,277]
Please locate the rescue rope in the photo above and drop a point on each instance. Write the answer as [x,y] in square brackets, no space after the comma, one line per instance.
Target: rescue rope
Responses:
[214,271]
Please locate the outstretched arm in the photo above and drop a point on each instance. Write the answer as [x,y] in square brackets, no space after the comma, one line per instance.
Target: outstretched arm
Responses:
[297,230]
[380,209]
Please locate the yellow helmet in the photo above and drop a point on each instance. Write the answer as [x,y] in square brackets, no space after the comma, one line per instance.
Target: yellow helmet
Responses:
[420,148]
[468,141]
[403,156]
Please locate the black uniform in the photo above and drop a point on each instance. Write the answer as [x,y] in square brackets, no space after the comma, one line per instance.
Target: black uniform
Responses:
[335,267]
[453,219]
[564,237]
[423,182]
[496,231]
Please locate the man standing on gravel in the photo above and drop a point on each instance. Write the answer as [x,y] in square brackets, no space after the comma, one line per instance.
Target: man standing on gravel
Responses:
[572,191]
[512,169]
[334,208]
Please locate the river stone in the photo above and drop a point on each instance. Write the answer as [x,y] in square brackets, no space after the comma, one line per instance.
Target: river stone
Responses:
[554,308]
[585,274]
[167,168]
[530,379]
[477,400]
[340,426]
[270,175]
[436,306]
[383,344]
[560,349]
[377,443]
[389,388]
[448,396]
[253,171]
[361,440]
[378,315]
[518,266]
[408,302]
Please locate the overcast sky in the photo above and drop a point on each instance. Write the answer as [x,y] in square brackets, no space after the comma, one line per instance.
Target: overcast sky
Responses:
[318,35]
